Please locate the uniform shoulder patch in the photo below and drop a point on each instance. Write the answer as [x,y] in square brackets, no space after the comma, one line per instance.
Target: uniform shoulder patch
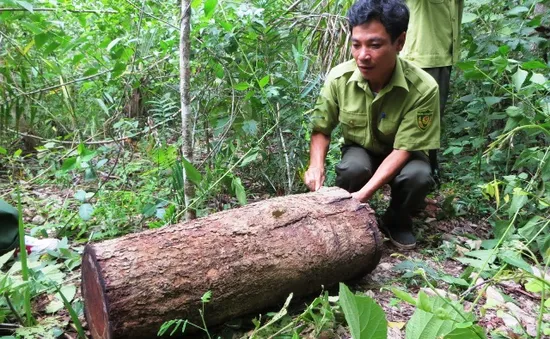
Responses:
[424,119]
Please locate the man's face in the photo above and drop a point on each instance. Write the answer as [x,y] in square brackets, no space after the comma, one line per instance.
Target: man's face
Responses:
[374,52]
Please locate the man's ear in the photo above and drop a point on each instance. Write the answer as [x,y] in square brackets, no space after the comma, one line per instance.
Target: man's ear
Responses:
[400,41]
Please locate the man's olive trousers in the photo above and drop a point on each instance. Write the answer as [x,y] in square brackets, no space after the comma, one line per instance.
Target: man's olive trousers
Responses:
[409,187]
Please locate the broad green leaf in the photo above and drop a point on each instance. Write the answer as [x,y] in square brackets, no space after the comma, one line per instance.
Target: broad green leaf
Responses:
[428,325]
[120,67]
[475,263]
[466,65]
[533,286]
[149,210]
[239,190]
[218,69]
[69,164]
[500,62]
[468,17]
[519,78]
[515,259]
[25,5]
[514,111]
[518,10]
[80,195]
[54,306]
[242,86]
[87,155]
[103,107]
[250,127]
[365,318]
[191,172]
[3,151]
[68,291]
[531,227]
[404,296]
[252,156]
[423,302]
[17,153]
[90,71]
[519,200]
[538,79]
[469,332]
[533,64]
[41,39]
[113,44]
[86,211]
[490,101]
[263,81]
[484,255]
[195,4]
[209,6]
[5,258]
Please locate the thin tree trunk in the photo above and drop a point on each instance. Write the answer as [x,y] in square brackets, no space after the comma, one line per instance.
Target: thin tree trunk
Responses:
[187,124]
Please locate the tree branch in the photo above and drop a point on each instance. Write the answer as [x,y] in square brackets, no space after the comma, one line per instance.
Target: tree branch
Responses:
[96,11]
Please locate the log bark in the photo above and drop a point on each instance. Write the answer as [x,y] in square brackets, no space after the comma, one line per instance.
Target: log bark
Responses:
[250,258]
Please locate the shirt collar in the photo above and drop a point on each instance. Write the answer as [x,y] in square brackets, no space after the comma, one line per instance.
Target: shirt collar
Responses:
[397,79]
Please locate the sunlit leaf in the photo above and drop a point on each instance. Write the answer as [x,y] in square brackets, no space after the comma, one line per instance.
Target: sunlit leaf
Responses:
[86,211]
[365,318]
[519,78]
[113,44]
[251,157]
[209,6]
[405,296]
[263,81]
[518,10]
[490,101]
[538,78]
[515,259]
[533,64]
[69,164]
[80,195]
[191,172]
[239,190]
[468,17]
[25,5]
[243,86]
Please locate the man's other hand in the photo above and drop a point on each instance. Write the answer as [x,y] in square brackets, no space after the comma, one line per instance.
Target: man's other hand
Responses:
[314,178]
[362,197]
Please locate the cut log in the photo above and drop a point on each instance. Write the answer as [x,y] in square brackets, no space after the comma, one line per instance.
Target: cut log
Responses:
[250,258]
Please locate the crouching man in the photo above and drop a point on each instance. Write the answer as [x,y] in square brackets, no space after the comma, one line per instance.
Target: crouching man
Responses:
[389,113]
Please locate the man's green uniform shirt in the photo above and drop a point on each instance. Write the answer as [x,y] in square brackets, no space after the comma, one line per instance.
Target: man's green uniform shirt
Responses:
[403,115]
[433,37]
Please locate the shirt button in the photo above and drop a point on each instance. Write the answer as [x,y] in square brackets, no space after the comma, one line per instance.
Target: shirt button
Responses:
[351,122]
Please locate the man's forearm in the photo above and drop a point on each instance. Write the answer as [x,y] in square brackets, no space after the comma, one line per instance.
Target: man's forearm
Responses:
[318,149]
[387,170]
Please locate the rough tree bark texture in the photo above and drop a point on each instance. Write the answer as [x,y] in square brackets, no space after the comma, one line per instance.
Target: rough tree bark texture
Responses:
[250,258]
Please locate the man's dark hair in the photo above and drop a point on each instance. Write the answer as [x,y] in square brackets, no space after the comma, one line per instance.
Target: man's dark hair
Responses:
[393,14]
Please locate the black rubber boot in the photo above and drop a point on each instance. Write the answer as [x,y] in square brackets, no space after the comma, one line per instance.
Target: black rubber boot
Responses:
[398,227]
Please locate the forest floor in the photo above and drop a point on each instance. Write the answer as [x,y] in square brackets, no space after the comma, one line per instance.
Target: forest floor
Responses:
[441,241]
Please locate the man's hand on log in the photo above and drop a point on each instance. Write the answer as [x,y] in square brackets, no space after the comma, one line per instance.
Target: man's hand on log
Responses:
[314,178]
[361,196]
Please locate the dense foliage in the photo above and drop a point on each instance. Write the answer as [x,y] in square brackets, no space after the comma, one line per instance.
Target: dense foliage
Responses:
[89,128]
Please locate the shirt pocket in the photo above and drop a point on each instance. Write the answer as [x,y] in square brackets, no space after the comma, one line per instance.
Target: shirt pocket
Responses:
[354,126]
[437,1]
[387,128]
